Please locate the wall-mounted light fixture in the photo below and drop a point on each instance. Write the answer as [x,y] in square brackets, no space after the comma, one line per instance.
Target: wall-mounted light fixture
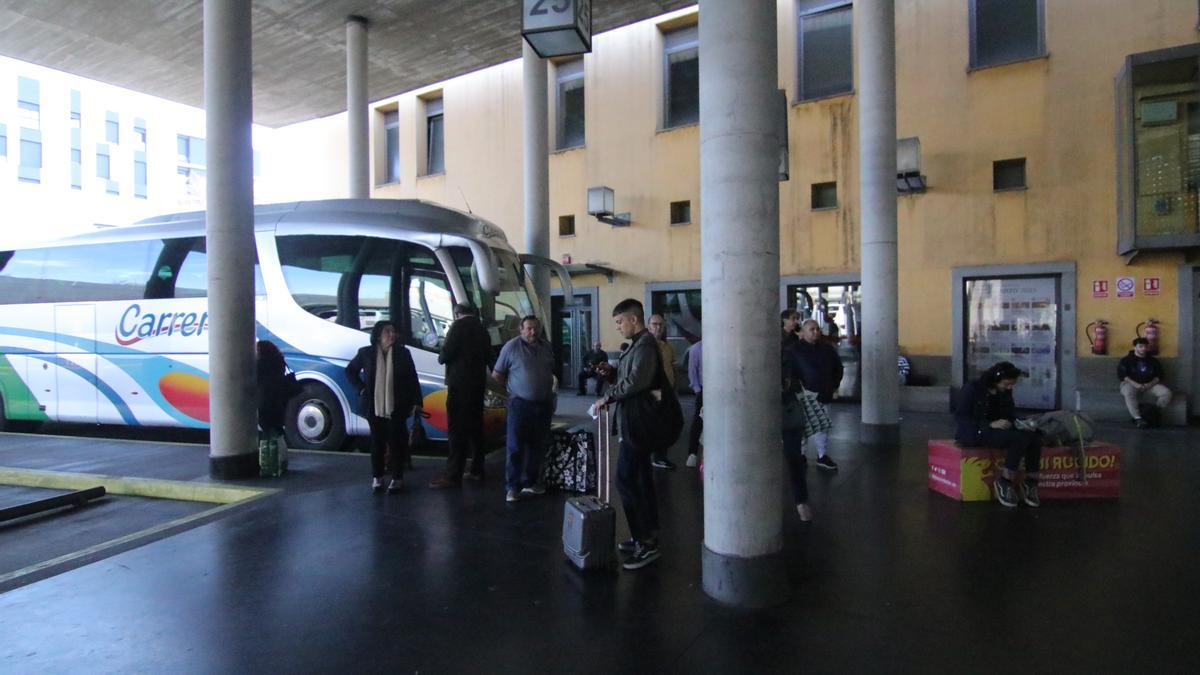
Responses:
[557,28]
[909,179]
[601,201]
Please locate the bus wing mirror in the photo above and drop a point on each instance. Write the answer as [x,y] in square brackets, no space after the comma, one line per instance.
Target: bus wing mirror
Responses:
[564,278]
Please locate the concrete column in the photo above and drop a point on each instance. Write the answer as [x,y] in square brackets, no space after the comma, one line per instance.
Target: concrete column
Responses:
[356,107]
[537,168]
[739,243]
[875,43]
[233,450]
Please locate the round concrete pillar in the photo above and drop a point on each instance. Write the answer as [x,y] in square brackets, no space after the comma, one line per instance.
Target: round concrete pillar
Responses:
[356,107]
[537,168]
[875,43]
[739,197]
[233,449]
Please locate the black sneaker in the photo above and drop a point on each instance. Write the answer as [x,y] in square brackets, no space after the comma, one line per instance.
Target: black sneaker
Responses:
[1141,423]
[643,554]
[1005,493]
[826,463]
[627,546]
[662,463]
[1031,495]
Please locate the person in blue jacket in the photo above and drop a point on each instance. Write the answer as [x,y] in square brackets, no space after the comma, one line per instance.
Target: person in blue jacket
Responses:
[986,417]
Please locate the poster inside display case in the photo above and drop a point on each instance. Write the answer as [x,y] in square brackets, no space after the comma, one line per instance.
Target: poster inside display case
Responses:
[1016,319]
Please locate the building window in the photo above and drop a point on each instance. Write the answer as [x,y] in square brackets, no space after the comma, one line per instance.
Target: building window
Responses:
[1158,150]
[824,196]
[139,133]
[570,112]
[192,160]
[566,226]
[1005,31]
[825,51]
[391,134]
[681,212]
[3,140]
[139,174]
[435,152]
[681,77]
[29,108]
[1008,174]
[104,169]
[30,169]
[112,128]
[76,169]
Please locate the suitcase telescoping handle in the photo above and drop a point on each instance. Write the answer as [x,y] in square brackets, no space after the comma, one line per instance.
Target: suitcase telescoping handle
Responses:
[603,436]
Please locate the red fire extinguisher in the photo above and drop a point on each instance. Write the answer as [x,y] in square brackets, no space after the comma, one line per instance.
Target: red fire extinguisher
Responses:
[1098,336]
[1151,335]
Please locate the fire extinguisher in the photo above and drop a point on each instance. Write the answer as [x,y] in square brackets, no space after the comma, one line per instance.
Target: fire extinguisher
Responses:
[1098,336]
[1151,335]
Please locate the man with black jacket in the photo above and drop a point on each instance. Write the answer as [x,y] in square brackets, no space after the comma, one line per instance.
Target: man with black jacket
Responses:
[1139,373]
[821,371]
[637,376]
[465,354]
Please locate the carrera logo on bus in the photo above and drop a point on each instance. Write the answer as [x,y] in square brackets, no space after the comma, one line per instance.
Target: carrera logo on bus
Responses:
[136,325]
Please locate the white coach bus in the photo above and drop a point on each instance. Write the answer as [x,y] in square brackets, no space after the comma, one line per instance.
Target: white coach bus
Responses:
[111,327]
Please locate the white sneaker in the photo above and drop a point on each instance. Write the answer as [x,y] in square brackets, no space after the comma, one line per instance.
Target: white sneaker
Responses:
[534,490]
[692,461]
[512,496]
[805,512]
[376,484]
[395,485]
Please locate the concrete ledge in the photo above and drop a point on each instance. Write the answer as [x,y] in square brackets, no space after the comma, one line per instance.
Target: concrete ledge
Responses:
[1105,404]
[934,398]
[749,583]
[134,487]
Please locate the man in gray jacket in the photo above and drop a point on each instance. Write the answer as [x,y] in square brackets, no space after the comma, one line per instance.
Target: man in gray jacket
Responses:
[637,373]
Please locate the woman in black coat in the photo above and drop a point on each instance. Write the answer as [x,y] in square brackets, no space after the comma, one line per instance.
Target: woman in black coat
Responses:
[385,376]
[986,417]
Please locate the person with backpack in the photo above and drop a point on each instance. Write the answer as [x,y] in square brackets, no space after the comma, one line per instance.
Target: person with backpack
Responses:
[986,417]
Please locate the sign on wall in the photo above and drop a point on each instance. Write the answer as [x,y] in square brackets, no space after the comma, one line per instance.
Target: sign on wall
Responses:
[557,27]
[1100,288]
[1126,287]
[1015,320]
[1151,285]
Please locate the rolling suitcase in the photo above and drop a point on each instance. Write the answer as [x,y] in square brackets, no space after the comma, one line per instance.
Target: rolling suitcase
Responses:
[589,522]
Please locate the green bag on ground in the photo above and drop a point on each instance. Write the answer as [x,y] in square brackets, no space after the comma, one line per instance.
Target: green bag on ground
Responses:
[272,455]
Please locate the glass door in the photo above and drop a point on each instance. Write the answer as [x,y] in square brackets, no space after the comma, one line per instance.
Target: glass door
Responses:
[572,331]
[837,310]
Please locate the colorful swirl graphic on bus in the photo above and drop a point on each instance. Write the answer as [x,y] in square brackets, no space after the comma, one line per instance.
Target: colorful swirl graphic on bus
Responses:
[136,325]
[188,393]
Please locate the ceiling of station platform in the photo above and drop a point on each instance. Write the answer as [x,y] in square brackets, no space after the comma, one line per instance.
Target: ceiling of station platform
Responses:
[156,46]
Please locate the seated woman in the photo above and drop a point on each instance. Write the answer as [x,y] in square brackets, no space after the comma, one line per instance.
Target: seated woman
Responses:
[986,417]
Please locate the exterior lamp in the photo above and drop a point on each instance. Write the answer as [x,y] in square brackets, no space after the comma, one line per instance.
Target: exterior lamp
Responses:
[557,27]
[908,166]
[601,201]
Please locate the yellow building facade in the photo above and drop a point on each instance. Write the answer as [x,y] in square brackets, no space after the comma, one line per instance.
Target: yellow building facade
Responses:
[1056,110]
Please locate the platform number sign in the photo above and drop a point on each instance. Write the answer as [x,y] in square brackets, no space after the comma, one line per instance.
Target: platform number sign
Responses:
[557,27]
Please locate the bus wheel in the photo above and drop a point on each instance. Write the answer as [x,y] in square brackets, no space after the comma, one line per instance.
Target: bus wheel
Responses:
[315,420]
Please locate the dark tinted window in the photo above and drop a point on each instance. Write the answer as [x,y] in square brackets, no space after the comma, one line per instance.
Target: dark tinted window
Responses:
[682,77]
[1005,30]
[826,53]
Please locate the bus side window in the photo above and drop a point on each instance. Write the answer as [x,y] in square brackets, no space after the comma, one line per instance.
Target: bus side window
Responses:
[181,271]
[21,276]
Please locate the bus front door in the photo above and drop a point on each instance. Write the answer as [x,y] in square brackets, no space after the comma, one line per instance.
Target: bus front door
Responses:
[75,361]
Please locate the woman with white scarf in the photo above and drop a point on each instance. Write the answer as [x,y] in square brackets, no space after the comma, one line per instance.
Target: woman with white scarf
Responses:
[389,392]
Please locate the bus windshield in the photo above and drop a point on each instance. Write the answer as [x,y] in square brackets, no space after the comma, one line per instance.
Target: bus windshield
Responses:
[359,281]
[501,313]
